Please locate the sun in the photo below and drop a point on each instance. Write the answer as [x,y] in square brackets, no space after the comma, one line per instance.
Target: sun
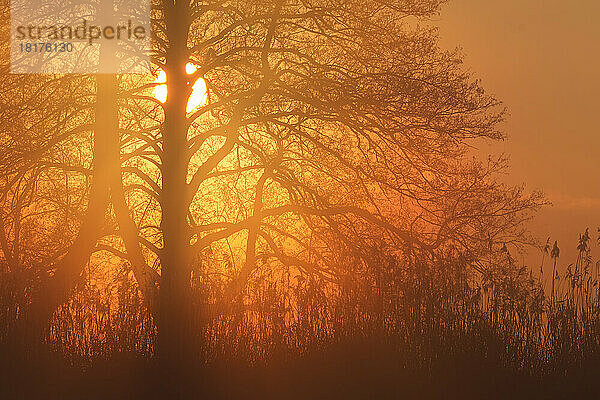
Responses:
[199,94]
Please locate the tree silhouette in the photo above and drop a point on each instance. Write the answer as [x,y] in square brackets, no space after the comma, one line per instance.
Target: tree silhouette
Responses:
[327,121]
[331,131]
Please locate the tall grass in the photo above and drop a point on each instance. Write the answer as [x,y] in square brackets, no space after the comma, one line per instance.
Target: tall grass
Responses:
[422,314]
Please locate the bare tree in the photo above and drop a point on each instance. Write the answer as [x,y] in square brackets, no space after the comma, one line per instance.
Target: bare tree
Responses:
[329,130]
[322,118]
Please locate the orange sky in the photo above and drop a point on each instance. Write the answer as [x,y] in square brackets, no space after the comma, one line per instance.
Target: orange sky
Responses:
[542,58]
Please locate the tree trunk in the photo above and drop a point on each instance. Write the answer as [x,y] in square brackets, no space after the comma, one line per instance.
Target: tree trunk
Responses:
[175,308]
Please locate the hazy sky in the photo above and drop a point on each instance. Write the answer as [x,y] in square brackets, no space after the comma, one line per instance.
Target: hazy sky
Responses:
[542,58]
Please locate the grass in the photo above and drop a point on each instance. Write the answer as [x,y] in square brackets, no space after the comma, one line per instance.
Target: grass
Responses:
[428,330]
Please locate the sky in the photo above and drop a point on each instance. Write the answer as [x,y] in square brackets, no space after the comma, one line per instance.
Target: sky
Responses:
[542,59]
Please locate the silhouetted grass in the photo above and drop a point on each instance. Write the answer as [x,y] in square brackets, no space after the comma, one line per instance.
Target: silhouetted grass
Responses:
[426,330]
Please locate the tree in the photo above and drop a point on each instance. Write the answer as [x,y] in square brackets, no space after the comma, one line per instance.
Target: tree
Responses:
[323,118]
[331,131]
[52,126]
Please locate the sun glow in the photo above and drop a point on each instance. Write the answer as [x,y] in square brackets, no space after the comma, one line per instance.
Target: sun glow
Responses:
[199,94]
